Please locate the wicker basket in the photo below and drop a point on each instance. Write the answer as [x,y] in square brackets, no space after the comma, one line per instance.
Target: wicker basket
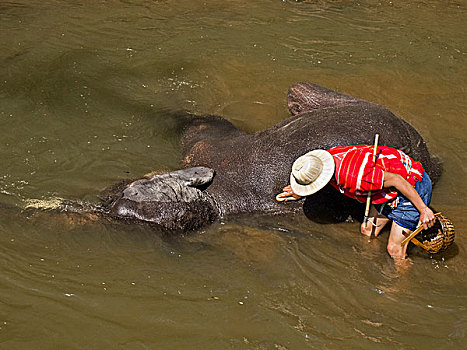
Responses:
[438,237]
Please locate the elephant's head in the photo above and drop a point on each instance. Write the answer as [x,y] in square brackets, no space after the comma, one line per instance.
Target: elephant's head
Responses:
[173,201]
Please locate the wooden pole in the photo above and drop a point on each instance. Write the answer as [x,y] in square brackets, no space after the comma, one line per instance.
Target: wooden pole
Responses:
[368,198]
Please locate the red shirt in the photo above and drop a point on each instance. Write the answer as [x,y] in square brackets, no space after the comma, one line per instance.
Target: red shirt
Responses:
[356,174]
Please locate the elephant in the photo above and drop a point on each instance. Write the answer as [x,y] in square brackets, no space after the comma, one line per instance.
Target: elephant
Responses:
[228,172]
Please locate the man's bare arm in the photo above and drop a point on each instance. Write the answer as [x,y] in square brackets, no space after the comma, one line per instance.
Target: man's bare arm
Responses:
[427,218]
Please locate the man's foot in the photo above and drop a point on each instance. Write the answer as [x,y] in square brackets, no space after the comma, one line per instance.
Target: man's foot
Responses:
[375,223]
[366,229]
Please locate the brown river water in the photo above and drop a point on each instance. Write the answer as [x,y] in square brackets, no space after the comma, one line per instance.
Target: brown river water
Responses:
[87,89]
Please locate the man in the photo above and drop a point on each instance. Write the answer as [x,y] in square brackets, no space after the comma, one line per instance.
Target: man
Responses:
[401,189]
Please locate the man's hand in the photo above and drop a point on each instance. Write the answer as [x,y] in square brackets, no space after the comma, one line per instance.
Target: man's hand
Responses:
[287,195]
[427,218]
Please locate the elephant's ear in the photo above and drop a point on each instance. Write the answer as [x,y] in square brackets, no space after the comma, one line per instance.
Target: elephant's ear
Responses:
[196,177]
[304,97]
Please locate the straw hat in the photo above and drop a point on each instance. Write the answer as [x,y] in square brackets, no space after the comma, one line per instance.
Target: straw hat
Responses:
[311,172]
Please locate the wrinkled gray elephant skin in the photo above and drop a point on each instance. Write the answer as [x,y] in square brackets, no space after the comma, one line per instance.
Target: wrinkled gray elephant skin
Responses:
[252,168]
[172,201]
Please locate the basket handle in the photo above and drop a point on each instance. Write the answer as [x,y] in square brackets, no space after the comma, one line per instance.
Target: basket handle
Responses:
[414,233]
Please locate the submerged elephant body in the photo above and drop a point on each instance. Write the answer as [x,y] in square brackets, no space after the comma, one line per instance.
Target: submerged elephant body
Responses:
[252,168]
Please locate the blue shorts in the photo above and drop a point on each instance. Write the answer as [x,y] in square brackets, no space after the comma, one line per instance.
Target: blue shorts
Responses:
[405,214]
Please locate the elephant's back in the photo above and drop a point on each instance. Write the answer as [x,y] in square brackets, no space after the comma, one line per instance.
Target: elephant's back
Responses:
[251,169]
[346,125]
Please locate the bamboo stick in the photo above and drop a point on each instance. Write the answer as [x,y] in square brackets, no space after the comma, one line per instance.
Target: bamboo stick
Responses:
[368,198]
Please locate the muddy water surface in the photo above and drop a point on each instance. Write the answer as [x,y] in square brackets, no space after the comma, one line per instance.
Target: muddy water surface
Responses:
[88,93]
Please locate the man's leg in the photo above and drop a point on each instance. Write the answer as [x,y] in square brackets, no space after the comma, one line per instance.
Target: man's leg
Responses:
[407,215]
[379,219]
[396,236]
